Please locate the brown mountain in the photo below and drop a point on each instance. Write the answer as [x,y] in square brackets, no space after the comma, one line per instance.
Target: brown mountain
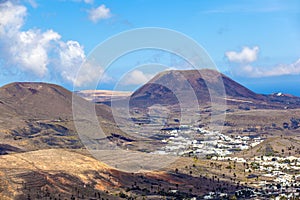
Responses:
[170,87]
[39,115]
[40,100]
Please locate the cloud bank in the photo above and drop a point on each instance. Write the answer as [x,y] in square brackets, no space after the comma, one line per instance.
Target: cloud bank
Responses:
[278,70]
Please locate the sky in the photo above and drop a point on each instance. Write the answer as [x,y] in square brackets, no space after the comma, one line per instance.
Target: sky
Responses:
[256,43]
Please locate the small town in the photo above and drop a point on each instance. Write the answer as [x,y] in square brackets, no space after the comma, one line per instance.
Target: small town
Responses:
[202,143]
[272,177]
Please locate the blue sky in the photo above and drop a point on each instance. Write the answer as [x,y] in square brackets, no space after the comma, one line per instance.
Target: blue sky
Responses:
[256,43]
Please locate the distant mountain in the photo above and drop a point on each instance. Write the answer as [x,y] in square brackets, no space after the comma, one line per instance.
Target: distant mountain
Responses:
[170,86]
[100,96]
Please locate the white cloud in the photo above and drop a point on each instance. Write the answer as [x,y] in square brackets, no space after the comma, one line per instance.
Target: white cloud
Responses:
[246,69]
[72,59]
[30,51]
[89,73]
[27,50]
[41,54]
[11,17]
[247,55]
[99,13]
[136,77]
[278,70]
[71,54]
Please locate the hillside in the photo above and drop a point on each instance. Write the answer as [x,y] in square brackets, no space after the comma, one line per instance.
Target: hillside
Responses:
[36,100]
[61,174]
[39,115]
